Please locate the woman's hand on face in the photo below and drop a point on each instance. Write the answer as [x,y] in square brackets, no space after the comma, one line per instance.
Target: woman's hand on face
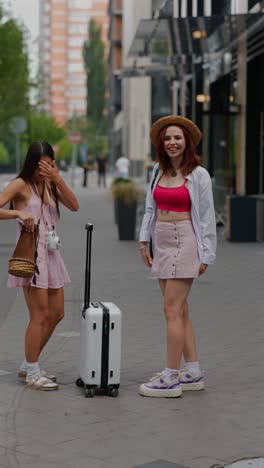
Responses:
[202,268]
[28,221]
[49,171]
[145,253]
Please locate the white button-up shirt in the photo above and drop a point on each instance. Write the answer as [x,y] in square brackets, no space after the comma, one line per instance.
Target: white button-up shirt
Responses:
[202,212]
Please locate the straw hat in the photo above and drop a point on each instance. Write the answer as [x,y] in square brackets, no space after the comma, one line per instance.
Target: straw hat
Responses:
[194,131]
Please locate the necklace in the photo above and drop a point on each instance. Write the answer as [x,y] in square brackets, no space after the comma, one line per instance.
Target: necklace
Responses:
[173,173]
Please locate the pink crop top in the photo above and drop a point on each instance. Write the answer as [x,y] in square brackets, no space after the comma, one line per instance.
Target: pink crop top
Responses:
[173,199]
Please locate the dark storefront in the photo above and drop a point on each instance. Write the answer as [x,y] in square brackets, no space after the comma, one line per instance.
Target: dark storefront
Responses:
[255,126]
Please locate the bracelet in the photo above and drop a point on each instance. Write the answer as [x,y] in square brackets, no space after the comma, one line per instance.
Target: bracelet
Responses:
[143,247]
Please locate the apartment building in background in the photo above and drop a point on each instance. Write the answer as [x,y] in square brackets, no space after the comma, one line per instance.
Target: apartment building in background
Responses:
[63,30]
[99,12]
[115,63]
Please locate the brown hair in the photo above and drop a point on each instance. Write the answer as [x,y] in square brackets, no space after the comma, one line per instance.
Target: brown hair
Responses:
[34,153]
[190,158]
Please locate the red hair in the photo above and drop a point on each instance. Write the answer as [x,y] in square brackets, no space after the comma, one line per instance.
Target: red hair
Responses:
[190,158]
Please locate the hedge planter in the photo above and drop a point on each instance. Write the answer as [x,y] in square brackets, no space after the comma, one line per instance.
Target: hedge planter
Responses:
[116,181]
[126,219]
[126,195]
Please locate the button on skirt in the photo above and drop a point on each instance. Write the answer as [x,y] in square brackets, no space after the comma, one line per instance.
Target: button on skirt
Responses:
[175,250]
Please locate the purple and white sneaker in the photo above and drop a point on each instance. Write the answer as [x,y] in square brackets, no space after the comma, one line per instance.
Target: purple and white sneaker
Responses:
[159,387]
[191,382]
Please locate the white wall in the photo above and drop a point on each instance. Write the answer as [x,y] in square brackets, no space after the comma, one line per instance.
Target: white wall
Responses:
[239,6]
[133,12]
[136,91]
[139,117]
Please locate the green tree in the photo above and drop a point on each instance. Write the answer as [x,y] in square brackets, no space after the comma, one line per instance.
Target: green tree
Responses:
[14,74]
[43,127]
[4,156]
[94,61]
[64,151]
[93,135]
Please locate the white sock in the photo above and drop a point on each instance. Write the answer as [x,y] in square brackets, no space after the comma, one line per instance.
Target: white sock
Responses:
[32,370]
[193,367]
[168,373]
[23,367]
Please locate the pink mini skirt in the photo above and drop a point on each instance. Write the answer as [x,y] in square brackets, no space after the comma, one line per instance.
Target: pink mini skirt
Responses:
[175,250]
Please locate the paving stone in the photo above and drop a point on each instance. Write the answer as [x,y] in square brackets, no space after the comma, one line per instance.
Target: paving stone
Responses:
[160,464]
[64,429]
[249,463]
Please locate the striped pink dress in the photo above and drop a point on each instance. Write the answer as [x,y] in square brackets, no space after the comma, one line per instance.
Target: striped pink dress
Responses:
[52,271]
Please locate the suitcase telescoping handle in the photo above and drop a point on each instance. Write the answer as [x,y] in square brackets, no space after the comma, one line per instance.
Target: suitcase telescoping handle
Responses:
[87,288]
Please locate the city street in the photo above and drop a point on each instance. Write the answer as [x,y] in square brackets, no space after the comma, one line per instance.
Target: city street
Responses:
[65,430]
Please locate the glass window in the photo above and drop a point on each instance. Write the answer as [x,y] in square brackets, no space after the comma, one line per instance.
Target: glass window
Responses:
[76,78]
[80,4]
[58,37]
[76,41]
[75,67]
[78,29]
[60,25]
[75,54]
[59,12]
[77,91]
[58,50]
[46,43]
[77,103]
[58,100]
[57,87]
[81,17]
[58,63]
[46,31]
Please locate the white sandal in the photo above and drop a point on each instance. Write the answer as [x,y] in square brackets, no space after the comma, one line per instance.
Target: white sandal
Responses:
[22,375]
[38,382]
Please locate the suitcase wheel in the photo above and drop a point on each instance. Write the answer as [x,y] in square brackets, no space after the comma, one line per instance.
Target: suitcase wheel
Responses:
[89,392]
[79,382]
[113,392]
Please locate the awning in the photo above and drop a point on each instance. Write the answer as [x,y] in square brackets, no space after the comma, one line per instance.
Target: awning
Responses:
[195,39]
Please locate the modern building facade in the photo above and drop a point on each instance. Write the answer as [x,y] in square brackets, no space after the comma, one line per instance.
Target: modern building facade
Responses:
[63,30]
[115,63]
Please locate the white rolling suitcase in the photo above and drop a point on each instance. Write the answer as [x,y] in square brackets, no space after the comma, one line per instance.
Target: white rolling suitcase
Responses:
[100,339]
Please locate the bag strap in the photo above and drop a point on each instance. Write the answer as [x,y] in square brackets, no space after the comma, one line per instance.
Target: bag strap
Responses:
[41,197]
[154,178]
[36,269]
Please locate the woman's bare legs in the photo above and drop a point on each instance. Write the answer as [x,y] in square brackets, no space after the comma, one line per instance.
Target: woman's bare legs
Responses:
[189,347]
[46,309]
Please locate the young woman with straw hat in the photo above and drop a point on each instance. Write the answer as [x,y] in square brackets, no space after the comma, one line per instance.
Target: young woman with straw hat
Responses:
[179,221]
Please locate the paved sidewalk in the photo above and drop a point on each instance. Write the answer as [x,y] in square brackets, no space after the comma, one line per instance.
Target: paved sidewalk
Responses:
[64,430]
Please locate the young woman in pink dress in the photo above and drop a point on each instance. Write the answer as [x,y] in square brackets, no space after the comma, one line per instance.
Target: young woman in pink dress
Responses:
[35,194]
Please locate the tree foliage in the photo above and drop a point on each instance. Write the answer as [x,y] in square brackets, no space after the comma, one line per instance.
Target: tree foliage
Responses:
[14,74]
[64,151]
[43,127]
[93,135]
[94,61]
[4,156]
